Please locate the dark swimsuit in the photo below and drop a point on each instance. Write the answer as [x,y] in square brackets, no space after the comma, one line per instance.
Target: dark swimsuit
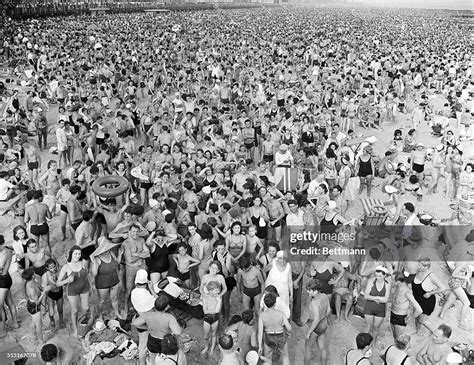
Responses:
[371,307]
[365,168]
[107,276]
[39,229]
[56,295]
[385,355]
[33,308]
[324,278]
[80,285]
[211,318]
[158,261]
[6,281]
[427,304]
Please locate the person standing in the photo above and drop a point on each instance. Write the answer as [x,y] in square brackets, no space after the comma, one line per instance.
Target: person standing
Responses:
[159,325]
[36,214]
[280,276]
[319,309]
[272,338]
[41,124]
[298,270]
[6,283]
[61,138]
[135,251]
[401,300]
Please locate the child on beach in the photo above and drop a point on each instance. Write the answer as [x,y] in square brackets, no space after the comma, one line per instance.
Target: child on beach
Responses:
[183,263]
[55,293]
[35,298]
[211,305]
[252,242]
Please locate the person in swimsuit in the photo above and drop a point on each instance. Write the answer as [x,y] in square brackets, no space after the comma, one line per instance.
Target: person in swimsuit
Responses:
[426,298]
[437,348]
[159,325]
[460,278]
[104,269]
[158,263]
[6,283]
[36,257]
[211,305]
[250,283]
[246,333]
[36,214]
[62,197]
[377,294]
[75,276]
[396,354]
[319,310]
[35,298]
[183,263]
[402,298]
[363,352]
[236,244]
[365,170]
[33,161]
[272,338]
[51,182]
[55,293]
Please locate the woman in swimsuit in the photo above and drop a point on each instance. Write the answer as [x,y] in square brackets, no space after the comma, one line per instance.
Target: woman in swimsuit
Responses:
[396,354]
[377,294]
[236,244]
[424,278]
[6,254]
[75,276]
[365,170]
[104,270]
[460,278]
[205,249]
[259,217]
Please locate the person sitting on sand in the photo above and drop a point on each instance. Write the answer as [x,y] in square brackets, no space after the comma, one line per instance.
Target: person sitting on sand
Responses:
[57,351]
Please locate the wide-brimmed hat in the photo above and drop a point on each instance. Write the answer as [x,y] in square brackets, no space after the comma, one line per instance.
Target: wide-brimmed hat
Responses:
[284,147]
[104,245]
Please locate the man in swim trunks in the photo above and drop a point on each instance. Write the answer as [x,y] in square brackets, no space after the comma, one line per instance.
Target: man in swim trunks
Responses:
[135,252]
[401,300]
[74,207]
[35,298]
[85,233]
[272,338]
[159,325]
[36,214]
[250,283]
[319,310]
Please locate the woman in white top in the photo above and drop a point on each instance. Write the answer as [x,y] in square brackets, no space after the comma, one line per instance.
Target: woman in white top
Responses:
[280,277]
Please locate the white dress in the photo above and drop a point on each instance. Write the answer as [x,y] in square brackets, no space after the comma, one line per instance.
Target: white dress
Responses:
[279,279]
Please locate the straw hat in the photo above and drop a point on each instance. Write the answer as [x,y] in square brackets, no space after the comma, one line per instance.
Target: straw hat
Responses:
[104,246]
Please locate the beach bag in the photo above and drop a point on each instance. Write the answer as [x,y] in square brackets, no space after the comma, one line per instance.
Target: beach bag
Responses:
[359,306]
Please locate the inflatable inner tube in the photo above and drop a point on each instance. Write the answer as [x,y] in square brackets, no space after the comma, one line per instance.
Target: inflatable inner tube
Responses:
[110,186]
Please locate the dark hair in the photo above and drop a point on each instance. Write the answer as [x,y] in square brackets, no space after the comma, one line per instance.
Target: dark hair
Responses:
[15,231]
[245,262]
[49,352]
[217,263]
[399,276]
[169,345]
[87,215]
[49,262]
[247,316]
[75,189]
[446,330]
[161,302]
[226,342]
[274,245]
[410,207]
[28,274]
[71,251]
[269,300]
[313,285]
[363,340]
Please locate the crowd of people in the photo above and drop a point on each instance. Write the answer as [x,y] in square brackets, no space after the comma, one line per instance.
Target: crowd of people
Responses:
[232,130]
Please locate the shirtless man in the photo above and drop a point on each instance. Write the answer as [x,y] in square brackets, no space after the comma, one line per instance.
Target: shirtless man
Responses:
[229,355]
[55,293]
[190,197]
[436,350]
[57,351]
[37,257]
[146,168]
[271,331]
[35,299]
[84,235]
[276,214]
[135,252]
[250,283]
[33,163]
[411,253]
[319,310]
[268,149]
[240,178]
[74,207]
[401,300]
[159,325]
[36,215]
